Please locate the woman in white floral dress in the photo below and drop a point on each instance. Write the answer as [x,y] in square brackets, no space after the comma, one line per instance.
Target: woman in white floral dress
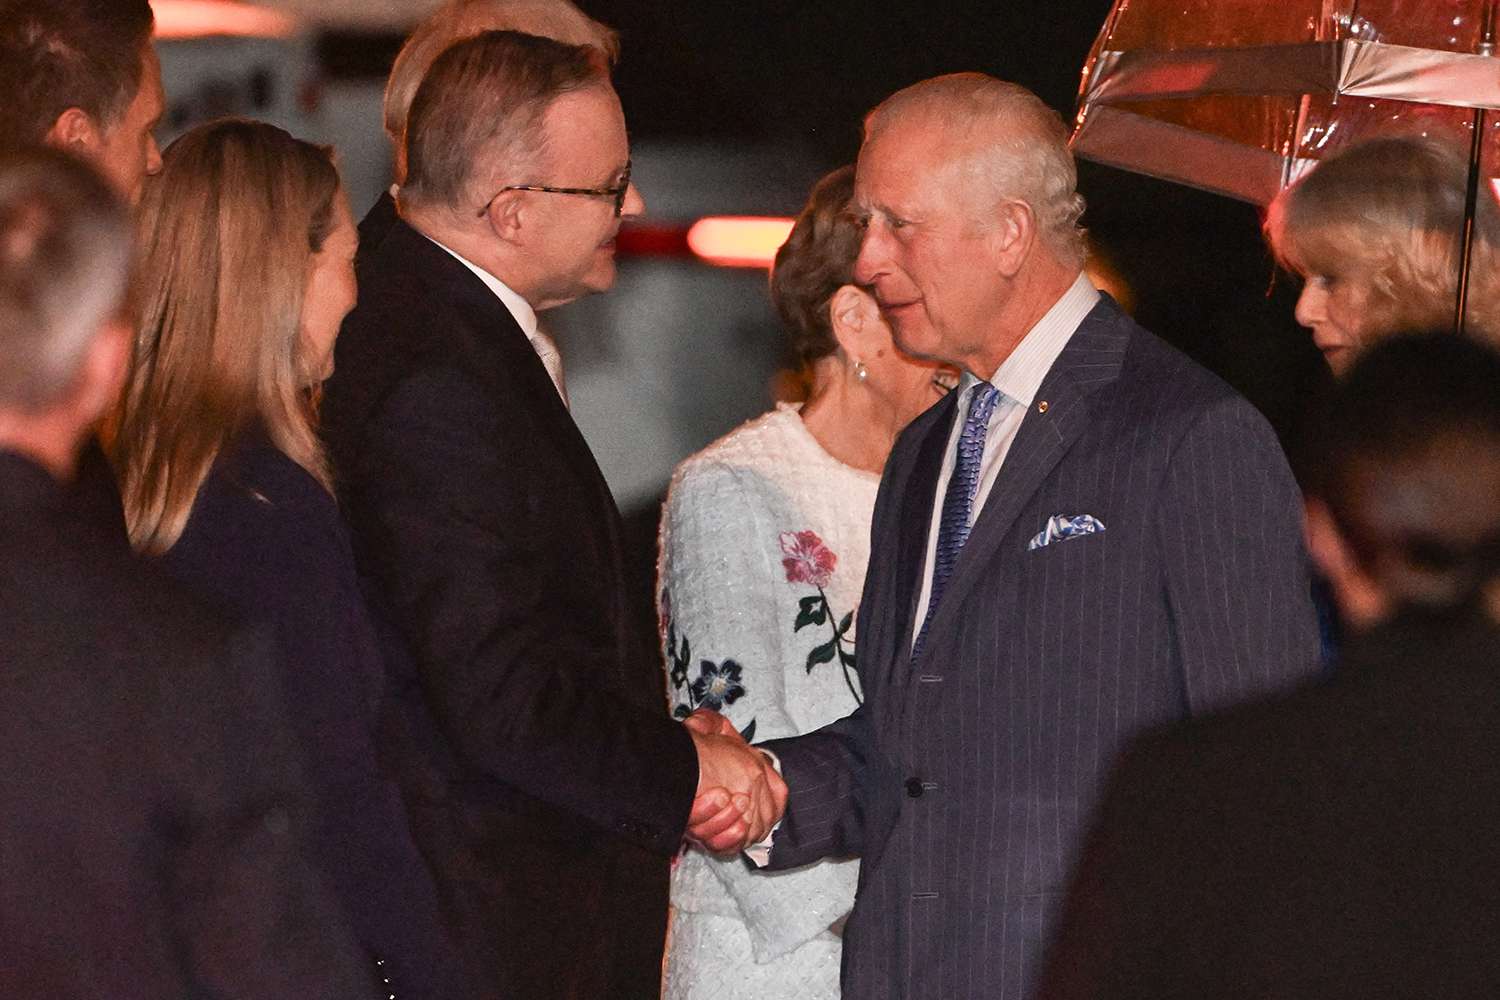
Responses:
[764,543]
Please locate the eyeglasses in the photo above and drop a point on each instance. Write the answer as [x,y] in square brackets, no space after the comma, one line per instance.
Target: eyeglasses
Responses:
[617,192]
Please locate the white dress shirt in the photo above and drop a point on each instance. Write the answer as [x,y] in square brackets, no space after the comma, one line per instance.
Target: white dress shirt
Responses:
[525,318]
[1018,378]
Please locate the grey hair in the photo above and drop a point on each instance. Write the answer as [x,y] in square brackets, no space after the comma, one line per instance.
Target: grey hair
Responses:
[65,249]
[1021,148]
[457,20]
[482,107]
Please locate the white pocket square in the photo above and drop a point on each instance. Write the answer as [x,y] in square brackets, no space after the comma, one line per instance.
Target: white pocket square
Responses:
[1060,526]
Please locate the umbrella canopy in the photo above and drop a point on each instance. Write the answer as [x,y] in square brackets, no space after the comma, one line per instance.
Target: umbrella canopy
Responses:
[1240,97]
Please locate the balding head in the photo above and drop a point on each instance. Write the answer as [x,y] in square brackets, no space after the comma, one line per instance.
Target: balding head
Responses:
[458,20]
[1005,142]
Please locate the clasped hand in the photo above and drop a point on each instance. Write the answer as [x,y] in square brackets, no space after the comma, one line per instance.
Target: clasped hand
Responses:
[740,796]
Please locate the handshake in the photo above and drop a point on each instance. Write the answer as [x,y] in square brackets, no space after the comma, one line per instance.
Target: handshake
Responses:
[740,794]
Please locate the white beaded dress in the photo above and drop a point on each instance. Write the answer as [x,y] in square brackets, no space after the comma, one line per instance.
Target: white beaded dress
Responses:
[764,543]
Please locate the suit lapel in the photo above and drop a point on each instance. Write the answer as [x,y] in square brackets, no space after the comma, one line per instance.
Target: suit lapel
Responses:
[917,503]
[488,343]
[494,346]
[1091,358]
[912,482]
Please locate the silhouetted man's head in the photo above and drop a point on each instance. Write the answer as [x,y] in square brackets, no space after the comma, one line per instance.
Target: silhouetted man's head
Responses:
[1404,506]
[65,246]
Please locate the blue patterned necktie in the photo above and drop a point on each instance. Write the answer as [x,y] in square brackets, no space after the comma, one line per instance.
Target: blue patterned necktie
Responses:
[958,501]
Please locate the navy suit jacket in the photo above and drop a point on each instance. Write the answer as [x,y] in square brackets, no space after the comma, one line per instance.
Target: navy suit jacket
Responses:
[962,779]
[266,544]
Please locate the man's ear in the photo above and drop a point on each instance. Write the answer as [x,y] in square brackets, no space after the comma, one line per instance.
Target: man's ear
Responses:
[76,132]
[1360,598]
[509,216]
[1012,236]
[101,377]
[855,320]
[1324,543]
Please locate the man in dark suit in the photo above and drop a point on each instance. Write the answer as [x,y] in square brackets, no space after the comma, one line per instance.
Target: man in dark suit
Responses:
[557,787]
[148,821]
[453,22]
[1089,535]
[1338,841]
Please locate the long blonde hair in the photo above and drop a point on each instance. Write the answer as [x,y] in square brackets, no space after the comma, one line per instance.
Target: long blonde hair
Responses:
[228,230]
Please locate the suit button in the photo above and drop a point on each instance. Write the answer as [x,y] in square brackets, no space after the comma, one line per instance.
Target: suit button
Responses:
[914,787]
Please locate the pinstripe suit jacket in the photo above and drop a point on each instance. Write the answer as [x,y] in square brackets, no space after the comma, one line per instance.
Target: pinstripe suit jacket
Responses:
[962,779]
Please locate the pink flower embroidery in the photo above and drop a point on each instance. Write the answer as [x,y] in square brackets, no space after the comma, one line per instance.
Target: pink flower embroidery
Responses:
[807,560]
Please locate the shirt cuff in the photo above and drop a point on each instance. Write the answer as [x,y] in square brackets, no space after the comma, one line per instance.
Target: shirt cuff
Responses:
[760,853]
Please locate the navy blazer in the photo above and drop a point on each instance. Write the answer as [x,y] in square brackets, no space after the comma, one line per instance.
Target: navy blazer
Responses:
[962,779]
[266,543]
[149,788]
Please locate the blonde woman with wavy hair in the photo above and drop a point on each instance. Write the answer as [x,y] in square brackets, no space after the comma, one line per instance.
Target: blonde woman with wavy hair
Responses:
[247,249]
[1377,232]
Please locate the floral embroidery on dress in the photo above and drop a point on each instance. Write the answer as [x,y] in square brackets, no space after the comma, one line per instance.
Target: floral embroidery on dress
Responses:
[809,561]
[717,685]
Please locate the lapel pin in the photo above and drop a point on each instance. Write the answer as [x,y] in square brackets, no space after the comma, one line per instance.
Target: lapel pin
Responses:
[1042,406]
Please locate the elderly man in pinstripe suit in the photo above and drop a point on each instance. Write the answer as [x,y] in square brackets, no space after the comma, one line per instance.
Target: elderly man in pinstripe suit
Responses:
[1090,535]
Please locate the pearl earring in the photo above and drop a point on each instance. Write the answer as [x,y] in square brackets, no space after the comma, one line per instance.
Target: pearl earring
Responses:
[861,372]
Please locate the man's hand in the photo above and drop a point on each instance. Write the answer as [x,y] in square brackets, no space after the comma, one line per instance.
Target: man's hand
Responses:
[740,795]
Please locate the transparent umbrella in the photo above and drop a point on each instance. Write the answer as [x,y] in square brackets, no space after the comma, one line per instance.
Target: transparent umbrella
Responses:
[1241,97]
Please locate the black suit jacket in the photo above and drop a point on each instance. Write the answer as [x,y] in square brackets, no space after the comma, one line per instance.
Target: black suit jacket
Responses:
[558,786]
[265,544]
[149,791]
[1336,842]
[962,779]
[375,227]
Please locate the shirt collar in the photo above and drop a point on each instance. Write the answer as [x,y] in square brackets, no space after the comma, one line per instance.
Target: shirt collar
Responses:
[1020,375]
[519,308]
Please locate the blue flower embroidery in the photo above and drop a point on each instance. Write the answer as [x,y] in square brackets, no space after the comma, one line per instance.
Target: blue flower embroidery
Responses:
[717,685]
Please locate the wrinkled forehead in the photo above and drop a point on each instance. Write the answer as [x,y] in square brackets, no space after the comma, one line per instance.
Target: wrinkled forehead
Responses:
[587,119]
[908,159]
